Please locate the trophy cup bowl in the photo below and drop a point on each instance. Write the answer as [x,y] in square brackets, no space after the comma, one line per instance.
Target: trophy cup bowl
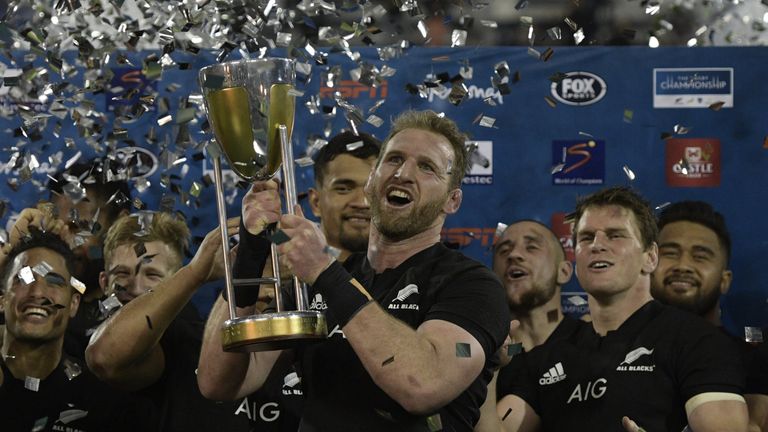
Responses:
[251,109]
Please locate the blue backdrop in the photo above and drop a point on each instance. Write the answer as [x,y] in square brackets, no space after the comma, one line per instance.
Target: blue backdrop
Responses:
[547,128]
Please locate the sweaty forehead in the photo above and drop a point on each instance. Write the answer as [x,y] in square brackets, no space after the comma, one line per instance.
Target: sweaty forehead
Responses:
[531,231]
[685,232]
[609,216]
[420,142]
[126,255]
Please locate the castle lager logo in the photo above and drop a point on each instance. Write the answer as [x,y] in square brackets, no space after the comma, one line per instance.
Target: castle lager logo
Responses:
[693,162]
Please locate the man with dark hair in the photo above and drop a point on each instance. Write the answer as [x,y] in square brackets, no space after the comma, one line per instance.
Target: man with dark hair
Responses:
[89,200]
[341,168]
[694,250]
[638,360]
[41,388]
[419,324]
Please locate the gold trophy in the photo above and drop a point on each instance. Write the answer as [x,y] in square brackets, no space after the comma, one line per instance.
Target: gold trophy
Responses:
[251,107]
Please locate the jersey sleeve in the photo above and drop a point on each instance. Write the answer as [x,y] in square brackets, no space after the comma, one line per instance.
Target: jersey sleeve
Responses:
[755,360]
[708,361]
[516,379]
[475,302]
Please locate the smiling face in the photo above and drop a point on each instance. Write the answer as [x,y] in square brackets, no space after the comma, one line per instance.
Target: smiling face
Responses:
[130,276]
[340,202]
[610,258]
[409,190]
[530,263]
[692,271]
[40,310]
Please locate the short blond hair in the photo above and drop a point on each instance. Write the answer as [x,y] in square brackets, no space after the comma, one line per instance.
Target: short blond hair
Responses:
[159,226]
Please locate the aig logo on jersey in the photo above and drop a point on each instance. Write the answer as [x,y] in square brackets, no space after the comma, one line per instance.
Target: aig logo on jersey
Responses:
[406,299]
[579,88]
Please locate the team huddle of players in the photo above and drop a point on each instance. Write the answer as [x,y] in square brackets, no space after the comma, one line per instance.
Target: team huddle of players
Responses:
[99,332]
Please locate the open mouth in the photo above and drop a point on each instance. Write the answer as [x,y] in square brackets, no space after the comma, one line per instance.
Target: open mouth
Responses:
[398,198]
[599,265]
[36,311]
[516,273]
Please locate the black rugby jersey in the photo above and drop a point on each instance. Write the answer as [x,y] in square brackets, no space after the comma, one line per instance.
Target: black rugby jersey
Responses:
[437,283]
[646,369]
[69,399]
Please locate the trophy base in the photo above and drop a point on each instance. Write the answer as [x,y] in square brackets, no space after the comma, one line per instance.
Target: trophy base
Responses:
[273,331]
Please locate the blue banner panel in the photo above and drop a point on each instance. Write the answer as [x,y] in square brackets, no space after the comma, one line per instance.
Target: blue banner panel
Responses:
[627,100]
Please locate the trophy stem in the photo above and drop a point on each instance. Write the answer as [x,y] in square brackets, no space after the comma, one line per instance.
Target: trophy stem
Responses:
[221,210]
[291,201]
[276,273]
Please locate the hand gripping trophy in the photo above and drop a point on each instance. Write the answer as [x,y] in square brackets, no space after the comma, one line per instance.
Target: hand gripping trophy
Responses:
[251,108]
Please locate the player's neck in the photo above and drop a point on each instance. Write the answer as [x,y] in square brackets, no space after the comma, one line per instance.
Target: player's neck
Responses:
[384,253]
[609,312]
[26,359]
[713,316]
[538,324]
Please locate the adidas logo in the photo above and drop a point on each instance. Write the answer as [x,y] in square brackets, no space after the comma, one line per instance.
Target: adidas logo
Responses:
[406,292]
[553,375]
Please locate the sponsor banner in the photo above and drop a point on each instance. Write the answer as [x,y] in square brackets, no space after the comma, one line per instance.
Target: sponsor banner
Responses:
[464,236]
[692,87]
[579,88]
[574,303]
[583,162]
[564,232]
[128,84]
[349,89]
[692,162]
[481,164]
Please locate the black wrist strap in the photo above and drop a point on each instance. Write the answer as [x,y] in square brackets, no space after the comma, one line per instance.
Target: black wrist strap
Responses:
[252,254]
[343,294]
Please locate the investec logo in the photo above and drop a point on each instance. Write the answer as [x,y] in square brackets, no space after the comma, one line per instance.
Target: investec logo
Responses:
[473,92]
[579,88]
[352,90]
[555,374]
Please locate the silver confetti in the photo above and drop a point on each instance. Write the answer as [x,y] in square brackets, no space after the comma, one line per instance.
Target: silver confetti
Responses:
[753,334]
[32,383]
[458,38]
[26,276]
[628,172]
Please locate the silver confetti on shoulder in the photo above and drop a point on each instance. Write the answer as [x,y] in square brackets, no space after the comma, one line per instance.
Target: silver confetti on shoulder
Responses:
[72,369]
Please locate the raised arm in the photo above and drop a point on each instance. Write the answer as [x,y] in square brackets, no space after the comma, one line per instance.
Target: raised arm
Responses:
[229,375]
[225,375]
[144,320]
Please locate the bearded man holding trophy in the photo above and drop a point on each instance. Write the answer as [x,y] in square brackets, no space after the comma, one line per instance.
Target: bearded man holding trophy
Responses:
[414,326]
